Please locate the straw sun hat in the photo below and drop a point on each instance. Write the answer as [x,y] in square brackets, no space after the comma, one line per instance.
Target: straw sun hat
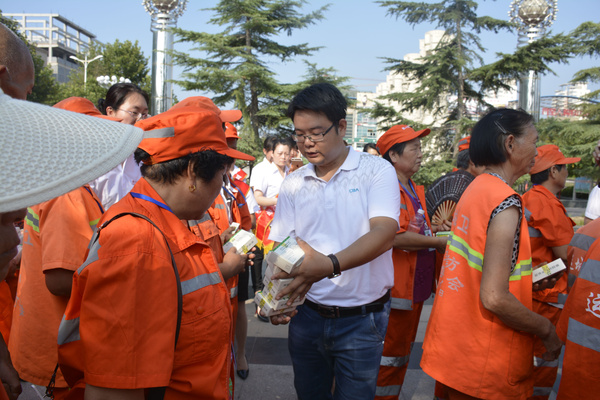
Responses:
[47,152]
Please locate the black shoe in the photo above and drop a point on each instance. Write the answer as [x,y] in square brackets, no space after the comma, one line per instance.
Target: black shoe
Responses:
[262,317]
[243,373]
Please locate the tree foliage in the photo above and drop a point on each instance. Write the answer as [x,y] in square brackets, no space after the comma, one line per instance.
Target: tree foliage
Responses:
[121,59]
[234,64]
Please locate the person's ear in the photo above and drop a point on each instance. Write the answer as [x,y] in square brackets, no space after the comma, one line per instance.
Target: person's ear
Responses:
[111,112]
[342,124]
[4,77]
[509,144]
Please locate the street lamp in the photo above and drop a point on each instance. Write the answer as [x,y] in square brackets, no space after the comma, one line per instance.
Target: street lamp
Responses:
[164,15]
[85,63]
[533,17]
[107,81]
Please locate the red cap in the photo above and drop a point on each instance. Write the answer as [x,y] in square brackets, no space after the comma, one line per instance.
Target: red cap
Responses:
[463,144]
[207,104]
[398,134]
[549,155]
[184,130]
[82,106]
[230,131]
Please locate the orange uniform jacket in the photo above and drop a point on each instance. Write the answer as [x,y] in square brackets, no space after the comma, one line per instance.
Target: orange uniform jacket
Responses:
[549,226]
[404,316]
[579,328]
[467,347]
[119,326]
[580,244]
[56,235]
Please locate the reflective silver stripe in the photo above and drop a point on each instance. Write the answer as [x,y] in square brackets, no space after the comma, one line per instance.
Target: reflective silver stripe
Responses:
[541,391]
[582,241]
[32,219]
[403,206]
[540,362]
[392,390]
[474,261]
[401,304]
[583,335]
[160,133]
[590,271]
[220,206]
[394,361]
[92,255]
[68,331]
[527,214]
[562,298]
[233,292]
[571,280]
[199,282]
[534,232]
[205,217]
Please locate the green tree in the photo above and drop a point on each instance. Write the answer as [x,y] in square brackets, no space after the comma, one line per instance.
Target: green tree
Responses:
[587,39]
[234,62]
[46,87]
[121,59]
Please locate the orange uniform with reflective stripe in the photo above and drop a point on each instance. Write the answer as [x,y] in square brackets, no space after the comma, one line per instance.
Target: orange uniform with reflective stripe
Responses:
[6,303]
[578,247]
[56,236]
[119,326]
[467,347]
[404,315]
[549,226]
[579,329]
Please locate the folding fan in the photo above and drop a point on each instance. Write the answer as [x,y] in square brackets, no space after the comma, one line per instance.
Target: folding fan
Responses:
[443,195]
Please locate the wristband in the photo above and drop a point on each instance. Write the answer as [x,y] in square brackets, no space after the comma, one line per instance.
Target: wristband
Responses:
[336,266]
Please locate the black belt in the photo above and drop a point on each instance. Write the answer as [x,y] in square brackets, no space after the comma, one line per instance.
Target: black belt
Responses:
[340,312]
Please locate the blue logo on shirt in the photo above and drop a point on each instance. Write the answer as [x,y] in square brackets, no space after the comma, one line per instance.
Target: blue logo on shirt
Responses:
[353,190]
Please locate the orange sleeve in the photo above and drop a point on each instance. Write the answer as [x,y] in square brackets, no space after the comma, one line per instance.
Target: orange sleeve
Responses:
[127,323]
[404,214]
[556,227]
[65,231]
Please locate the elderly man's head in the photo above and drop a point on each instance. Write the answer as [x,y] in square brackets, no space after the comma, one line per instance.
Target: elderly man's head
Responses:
[16,65]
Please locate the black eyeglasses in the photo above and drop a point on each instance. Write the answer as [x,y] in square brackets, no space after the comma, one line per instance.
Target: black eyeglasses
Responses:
[315,137]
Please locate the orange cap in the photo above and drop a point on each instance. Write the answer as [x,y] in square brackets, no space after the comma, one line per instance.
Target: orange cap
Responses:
[463,144]
[82,106]
[398,134]
[549,155]
[207,104]
[184,130]
[230,131]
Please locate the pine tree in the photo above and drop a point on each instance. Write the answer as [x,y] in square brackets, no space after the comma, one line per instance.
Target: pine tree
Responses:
[234,65]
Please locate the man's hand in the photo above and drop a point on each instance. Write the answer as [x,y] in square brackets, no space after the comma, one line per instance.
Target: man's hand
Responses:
[314,267]
[283,319]
[552,343]
[227,234]
[8,374]
[548,282]
[234,263]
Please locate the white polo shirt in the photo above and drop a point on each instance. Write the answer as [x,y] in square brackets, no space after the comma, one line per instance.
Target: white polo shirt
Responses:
[259,172]
[271,182]
[116,183]
[330,216]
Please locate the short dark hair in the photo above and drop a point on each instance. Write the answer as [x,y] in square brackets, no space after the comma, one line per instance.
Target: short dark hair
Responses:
[462,160]
[368,146]
[543,176]
[398,148]
[117,94]
[268,143]
[284,141]
[206,163]
[320,97]
[487,136]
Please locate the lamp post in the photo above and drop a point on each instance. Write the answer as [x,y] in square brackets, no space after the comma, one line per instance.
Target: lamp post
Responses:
[85,63]
[164,15]
[533,17]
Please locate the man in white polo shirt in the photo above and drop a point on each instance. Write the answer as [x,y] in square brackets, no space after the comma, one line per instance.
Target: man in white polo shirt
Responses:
[344,207]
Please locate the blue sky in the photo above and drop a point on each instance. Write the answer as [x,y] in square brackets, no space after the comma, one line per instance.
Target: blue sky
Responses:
[353,35]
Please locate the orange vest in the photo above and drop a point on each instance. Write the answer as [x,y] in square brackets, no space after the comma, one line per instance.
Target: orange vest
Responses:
[241,190]
[549,226]
[579,328]
[405,262]
[580,244]
[467,347]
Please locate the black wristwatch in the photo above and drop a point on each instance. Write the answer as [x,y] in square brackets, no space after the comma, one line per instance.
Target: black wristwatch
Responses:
[336,266]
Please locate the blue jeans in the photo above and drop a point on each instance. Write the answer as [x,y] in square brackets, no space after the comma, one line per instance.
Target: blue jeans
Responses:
[348,349]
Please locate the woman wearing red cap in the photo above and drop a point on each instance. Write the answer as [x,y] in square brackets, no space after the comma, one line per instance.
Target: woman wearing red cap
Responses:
[413,255]
[479,339]
[149,311]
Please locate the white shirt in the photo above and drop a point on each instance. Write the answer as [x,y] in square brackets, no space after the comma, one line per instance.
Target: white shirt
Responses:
[592,211]
[330,216]
[272,180]
[116,183]
[258,173]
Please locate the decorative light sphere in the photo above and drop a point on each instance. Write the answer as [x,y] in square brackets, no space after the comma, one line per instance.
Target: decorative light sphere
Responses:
[174,8]
[166,5]
[534,12]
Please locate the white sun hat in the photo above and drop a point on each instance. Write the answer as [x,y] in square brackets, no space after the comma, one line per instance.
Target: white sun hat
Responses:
[46,152]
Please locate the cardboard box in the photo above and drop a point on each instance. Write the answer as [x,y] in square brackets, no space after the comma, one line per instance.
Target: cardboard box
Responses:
[274,285]
[243,241]
[287,256]
[548,270]
[267,309]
